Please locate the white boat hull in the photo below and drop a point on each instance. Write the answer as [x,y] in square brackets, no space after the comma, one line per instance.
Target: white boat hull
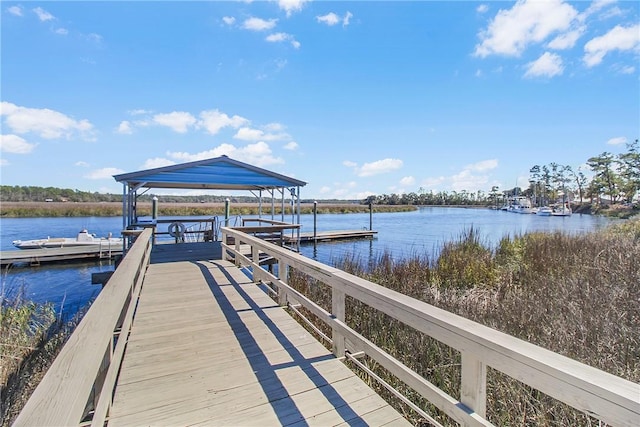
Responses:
[83,239]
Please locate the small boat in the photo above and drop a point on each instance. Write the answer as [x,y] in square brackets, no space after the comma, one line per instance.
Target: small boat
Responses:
[84,238]
[565,210]
[520,204]
[544,211]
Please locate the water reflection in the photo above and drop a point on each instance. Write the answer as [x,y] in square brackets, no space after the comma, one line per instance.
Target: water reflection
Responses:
[421,232]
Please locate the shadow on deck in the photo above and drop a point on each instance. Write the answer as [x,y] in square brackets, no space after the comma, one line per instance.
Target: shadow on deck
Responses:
[208,346]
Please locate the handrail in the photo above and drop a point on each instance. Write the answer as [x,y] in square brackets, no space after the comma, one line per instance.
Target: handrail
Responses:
[606,397]
[82,377]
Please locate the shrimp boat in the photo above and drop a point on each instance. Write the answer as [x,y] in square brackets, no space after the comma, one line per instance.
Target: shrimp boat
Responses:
[83,239]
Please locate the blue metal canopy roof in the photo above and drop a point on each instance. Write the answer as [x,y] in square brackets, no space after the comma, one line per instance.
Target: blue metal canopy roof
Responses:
[219,173]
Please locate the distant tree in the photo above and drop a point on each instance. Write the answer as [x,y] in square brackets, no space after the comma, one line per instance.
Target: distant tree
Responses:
[494,196]
[581,182]
[605,180]
[630,170]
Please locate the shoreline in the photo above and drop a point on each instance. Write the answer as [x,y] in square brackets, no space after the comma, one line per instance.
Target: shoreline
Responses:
[114,209]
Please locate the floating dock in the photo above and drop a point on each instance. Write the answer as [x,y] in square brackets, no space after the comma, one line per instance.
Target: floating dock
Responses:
[73,253]
[36,257]
[329,236]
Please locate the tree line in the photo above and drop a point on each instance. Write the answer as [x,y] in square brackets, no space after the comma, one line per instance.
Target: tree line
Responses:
[43,194]
[614,179]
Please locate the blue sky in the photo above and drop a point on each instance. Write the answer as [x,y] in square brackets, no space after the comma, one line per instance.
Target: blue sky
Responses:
[356,98]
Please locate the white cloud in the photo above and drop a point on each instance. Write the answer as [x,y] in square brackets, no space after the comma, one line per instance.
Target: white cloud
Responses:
[214,120]
[619,38]
[596,6]
[179,121]
[347,19]
[157,162]
[15,10]
[617,141]
[258,154]
[283,37]
[567,40]
[548,65]
[330,19]
[379,167]
[96,38]
[104,173]
[125,128]
[48,124]
[349,164]
[62,31]
[472,177]
[483,166]
[626,69]
[15,144]
[466,180]
[528,21]
[614,11]
[258,24]
[291,145]
[139,112]
[290,6]
[274,127]
[407,180]
[229,20]
[43,15]
[433,183]
[82,164]
[249,134]
[4,162]
[483,8]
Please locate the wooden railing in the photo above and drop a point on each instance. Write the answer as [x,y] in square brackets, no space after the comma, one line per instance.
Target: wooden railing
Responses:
[606,397]
[272,231]
[78,387]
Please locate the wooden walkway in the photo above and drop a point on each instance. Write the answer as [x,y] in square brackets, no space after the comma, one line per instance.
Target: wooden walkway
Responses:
[209,347]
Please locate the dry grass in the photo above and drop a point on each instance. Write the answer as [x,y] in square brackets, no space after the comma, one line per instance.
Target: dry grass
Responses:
[30,338]
[69,209]
[575,295]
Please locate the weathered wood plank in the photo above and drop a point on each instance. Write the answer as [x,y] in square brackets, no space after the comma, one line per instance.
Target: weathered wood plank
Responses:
[208,346]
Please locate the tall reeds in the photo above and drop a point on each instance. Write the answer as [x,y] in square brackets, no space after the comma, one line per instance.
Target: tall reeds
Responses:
[31,335]
[577,295]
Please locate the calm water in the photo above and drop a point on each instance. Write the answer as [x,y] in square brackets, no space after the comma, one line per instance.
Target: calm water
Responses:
[403,234]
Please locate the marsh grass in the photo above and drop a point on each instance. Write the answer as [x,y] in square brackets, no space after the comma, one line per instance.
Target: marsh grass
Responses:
[31,335]
[577,295]
[109,209]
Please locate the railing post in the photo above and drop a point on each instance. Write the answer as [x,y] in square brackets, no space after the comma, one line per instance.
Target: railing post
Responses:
[236,241]
[283,272]
[473,391]
[255,256]
[338,311]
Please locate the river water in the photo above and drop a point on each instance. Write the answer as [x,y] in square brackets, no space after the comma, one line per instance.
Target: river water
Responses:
[68,286]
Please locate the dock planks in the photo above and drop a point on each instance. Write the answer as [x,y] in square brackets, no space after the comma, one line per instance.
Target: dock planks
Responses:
[329,236]
[209,347]
[71,253]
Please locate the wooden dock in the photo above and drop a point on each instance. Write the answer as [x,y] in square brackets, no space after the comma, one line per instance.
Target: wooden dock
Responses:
[209,347]
[329,236]
[48,255]
[186,334]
